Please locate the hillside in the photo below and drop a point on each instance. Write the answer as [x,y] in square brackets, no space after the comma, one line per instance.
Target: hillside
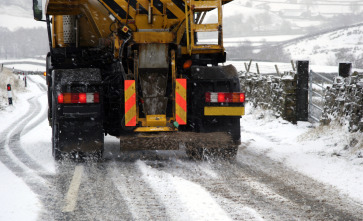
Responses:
[298,16]
[330,48]
[18,14]
[20,35]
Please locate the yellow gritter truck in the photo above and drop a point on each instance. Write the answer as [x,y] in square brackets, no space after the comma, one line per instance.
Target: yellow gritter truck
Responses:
[137,70]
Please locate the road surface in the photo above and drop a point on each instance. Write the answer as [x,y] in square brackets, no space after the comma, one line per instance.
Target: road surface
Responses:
[160,185]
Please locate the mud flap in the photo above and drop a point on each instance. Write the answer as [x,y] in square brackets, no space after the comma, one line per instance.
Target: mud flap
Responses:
[78,136]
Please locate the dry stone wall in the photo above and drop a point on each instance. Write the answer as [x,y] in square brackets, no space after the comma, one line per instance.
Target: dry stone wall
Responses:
[277,93]
[344,102]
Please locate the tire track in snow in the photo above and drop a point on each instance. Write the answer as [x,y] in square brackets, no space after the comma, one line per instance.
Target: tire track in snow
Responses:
[235,193]
[269,189]
[142,202]
[13,142]
[183,199]
[21,164]
[247,192]
[316,200]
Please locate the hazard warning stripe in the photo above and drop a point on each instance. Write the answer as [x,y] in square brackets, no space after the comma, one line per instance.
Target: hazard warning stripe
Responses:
[112,5]
[120,8]
[181,101]
[158,5]
[145,4]
[173,11]
[130,103]
[180,4]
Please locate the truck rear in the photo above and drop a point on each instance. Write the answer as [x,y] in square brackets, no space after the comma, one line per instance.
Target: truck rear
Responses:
[135,69]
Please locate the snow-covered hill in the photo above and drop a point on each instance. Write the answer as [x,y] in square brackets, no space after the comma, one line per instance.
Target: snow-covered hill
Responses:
[18,14]
[20,35]
[330,48]
[302,16]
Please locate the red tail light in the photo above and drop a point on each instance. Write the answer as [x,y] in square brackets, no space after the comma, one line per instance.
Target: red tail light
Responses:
[76,98]
[242,97]
[207,97]
[96,98]
[228,97]
[82,98]
[222,97]
[60,98]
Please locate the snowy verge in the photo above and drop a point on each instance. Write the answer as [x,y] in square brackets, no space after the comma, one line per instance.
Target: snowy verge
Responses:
[324,153]
[17,86]
[17,201]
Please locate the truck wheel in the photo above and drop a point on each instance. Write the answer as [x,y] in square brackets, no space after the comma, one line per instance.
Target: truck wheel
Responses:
[55,142]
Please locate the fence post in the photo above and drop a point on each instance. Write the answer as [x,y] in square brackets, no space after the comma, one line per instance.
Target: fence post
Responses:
[345,69]
[249,66]
[302,97]
[293,65]
[258,69]
[277,70]
[10,95]
[310,93]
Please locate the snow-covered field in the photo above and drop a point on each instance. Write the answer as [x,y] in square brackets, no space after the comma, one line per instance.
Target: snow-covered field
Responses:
[338,46]
[18,15]
[25,64]
[14,23]
[326,154]
[253,40]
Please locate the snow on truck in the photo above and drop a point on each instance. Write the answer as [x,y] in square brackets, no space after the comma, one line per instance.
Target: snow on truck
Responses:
[134,69]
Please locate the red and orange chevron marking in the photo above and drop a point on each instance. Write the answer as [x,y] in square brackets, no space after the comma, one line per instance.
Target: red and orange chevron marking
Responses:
[130,103]
[181,101]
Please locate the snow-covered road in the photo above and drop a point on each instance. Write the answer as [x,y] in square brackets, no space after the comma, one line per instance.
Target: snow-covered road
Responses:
[159,185]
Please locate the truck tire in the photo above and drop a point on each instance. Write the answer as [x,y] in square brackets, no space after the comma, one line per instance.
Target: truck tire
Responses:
[55,142]
[48,77]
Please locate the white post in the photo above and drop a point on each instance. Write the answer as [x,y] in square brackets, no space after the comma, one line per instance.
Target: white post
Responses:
[10,95]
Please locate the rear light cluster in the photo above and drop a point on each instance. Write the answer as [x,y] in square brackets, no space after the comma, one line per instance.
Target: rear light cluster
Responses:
[221,97]
[78,98]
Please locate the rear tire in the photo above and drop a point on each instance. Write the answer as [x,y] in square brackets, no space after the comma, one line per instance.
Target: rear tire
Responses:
[57,154]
